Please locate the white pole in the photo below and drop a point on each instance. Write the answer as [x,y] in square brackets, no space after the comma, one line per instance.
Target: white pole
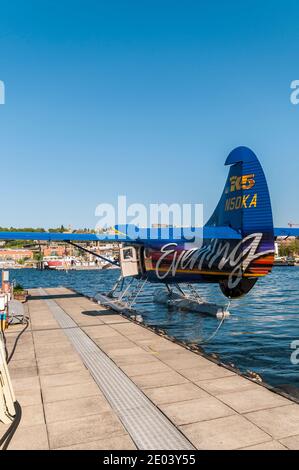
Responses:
[7,397]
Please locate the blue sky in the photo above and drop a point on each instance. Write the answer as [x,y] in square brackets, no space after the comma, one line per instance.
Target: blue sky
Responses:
[143,98]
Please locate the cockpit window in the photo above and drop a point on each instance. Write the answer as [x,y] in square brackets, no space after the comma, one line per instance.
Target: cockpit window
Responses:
[128,253]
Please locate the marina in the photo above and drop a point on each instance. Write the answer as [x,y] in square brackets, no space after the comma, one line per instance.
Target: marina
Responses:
[89,378]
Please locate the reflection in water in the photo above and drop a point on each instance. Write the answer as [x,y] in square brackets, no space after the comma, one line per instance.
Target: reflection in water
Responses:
[257,336]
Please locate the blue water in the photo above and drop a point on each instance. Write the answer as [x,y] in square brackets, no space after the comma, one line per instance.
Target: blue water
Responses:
[256,337]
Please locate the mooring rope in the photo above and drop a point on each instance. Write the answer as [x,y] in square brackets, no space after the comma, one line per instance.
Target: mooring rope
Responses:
[212,336]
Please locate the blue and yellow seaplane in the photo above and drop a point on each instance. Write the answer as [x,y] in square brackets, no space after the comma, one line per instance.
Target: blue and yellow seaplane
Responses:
[236,246]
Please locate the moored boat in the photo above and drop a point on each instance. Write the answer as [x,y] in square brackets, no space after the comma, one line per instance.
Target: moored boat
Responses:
[54,262]
[284,261]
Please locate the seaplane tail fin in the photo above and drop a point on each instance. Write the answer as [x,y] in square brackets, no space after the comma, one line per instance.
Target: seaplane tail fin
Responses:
[245,204]
[245,207]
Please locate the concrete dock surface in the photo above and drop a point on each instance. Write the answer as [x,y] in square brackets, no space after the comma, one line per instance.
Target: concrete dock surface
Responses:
[66,403]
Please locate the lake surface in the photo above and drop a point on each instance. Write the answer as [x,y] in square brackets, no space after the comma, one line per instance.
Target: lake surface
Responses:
[256,337]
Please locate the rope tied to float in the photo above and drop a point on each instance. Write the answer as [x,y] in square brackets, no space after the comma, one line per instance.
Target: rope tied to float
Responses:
[212,336]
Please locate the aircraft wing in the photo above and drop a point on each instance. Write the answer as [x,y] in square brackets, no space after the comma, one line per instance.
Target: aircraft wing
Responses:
[142,235]
[50,236]
[127,234]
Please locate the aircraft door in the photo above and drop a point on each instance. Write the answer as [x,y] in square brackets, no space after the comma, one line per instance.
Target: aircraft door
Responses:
[128,261]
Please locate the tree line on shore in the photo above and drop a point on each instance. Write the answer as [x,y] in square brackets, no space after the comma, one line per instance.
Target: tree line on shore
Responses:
[25,244]
[60,229]
[289,249]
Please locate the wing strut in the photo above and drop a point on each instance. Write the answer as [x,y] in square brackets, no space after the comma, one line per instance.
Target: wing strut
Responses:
[92,253]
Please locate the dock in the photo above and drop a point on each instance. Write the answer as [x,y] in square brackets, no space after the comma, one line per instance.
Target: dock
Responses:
[89,378]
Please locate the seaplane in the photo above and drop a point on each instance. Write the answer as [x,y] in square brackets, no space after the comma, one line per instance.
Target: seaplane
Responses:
[235,249]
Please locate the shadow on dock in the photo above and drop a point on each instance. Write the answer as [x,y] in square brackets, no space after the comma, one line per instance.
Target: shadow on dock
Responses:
[53,297]
[97,313]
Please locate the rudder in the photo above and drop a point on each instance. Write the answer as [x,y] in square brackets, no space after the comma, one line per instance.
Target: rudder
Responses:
[245,206]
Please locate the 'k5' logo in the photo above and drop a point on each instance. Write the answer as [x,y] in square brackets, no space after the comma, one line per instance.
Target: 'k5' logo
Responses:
[241,182]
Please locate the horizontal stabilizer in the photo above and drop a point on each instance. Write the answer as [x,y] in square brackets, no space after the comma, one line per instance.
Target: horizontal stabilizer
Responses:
[286,232]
